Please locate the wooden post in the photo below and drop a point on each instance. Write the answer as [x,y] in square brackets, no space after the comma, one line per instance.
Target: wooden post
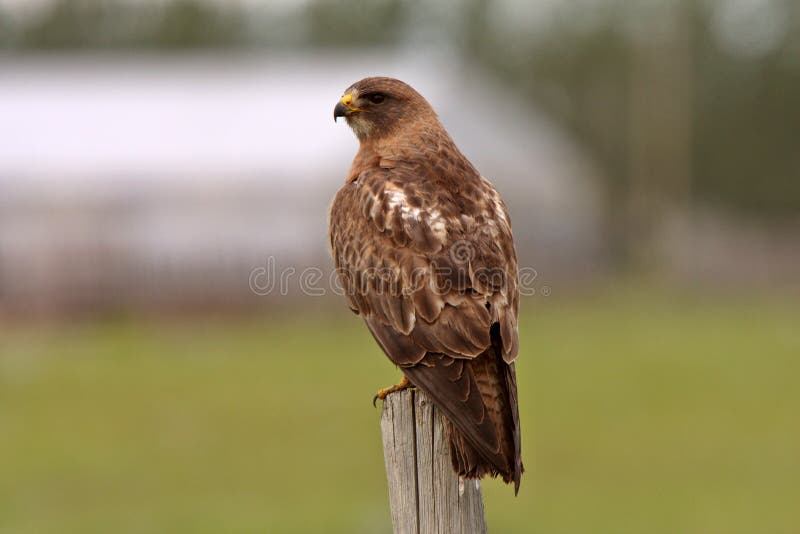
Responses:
[425,494]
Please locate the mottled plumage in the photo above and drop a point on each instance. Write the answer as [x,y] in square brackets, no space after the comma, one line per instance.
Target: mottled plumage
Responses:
[423,248]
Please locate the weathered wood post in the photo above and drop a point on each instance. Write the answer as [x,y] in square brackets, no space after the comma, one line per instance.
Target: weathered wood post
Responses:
[425,494]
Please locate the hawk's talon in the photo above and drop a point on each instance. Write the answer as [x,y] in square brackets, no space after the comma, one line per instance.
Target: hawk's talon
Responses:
[383,393]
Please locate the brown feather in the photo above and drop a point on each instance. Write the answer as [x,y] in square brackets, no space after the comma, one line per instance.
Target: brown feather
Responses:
[423,248]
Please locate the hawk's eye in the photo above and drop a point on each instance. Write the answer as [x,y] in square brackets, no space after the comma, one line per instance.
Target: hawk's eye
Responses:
[376,98]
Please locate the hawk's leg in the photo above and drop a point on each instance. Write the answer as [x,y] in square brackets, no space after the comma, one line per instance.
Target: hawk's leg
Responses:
[400,386]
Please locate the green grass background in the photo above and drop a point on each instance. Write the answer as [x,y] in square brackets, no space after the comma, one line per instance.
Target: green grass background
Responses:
[641,413]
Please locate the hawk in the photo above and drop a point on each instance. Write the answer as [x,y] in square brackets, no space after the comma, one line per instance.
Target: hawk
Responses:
[423,249]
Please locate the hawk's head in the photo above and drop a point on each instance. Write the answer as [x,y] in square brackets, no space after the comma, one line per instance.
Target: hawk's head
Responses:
[376,106]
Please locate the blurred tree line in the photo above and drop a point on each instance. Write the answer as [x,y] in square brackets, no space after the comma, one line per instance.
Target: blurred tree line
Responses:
[678,102]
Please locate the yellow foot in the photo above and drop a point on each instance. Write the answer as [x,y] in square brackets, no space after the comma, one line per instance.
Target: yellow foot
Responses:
[403,384]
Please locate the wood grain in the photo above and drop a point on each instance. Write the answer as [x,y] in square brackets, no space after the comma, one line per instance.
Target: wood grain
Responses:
[425,494]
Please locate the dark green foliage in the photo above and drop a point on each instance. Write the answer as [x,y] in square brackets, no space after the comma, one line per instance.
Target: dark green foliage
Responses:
[747,131]
[745,112]
[355,22]
[92,24]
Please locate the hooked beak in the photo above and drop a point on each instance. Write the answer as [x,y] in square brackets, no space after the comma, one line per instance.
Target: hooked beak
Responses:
[340,111]
[345,107]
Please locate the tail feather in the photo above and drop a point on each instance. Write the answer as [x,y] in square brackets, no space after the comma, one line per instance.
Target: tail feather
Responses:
[478,398]
[467,461]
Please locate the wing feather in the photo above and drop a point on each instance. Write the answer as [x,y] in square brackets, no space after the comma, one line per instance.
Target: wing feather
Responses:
[448,319]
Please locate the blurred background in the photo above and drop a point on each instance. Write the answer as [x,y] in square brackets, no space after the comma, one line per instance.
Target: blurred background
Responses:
[172,357]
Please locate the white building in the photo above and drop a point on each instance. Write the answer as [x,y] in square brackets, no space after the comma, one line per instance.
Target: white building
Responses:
[149,178]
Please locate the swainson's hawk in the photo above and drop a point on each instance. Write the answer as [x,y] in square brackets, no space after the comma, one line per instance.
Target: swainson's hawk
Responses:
[423,248]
